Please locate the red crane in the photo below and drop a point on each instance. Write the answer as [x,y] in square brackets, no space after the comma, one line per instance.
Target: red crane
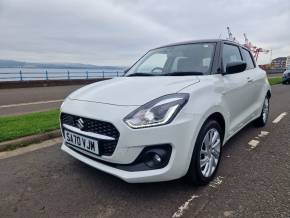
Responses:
[254,49]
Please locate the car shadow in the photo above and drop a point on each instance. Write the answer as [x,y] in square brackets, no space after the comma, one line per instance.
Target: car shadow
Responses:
[97,179]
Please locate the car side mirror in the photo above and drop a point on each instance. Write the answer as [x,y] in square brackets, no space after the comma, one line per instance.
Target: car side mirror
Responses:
[236,67]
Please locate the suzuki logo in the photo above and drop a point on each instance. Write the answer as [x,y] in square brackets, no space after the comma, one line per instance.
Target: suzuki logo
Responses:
[80,123]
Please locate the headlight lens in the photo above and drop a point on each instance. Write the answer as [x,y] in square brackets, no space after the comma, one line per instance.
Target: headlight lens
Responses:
[158,112]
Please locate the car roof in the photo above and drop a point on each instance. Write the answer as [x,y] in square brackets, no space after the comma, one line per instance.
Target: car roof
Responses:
[201,41]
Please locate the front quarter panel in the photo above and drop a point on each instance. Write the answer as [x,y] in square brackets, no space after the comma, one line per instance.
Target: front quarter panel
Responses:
[205,99]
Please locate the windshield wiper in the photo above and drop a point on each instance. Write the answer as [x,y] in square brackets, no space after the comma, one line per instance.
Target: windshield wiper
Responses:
[183,73]
[141,74]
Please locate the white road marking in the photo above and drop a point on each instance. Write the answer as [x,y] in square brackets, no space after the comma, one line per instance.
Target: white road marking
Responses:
[216,182]
[30,103]
[280,117]
[184,207]
[263,133]
[253,143]
[228,213]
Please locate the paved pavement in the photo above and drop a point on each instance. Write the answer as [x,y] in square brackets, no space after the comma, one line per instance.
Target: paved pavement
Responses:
[253,181]
[25,100]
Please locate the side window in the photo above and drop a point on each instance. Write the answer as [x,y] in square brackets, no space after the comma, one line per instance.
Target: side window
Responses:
[231,54]
[247,57]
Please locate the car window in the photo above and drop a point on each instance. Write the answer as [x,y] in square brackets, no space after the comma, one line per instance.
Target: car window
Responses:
[193,58]
[247,57]
[154,63]
[231,54]
[205,63]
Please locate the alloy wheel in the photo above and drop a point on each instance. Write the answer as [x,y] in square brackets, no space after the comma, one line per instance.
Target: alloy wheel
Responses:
[210,152]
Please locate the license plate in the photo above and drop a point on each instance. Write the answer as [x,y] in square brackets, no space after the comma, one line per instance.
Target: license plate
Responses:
[82,142]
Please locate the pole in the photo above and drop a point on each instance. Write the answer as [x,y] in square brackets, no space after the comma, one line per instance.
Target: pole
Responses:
[20,73]
[46,74]
[68,76]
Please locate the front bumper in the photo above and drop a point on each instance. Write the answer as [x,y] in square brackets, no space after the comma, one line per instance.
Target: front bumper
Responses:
[180,134]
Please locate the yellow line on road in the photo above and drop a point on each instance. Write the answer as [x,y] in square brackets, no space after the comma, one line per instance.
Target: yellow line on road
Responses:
[30,103]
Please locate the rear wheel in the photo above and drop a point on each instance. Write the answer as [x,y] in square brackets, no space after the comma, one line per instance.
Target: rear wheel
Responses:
[207,152]
[262,120]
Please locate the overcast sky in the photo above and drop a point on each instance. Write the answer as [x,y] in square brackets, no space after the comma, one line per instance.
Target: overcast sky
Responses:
[117,32]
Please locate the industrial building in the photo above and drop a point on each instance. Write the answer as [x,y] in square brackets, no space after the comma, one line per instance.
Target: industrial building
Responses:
[288,62]
[279,63]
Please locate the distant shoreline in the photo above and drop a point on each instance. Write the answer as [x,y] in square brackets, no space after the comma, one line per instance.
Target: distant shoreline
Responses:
[29,65]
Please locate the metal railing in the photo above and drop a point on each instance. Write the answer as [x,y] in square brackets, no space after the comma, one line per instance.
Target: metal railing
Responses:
[57,75]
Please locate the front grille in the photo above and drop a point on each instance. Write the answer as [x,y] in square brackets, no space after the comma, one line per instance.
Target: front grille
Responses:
[106,147]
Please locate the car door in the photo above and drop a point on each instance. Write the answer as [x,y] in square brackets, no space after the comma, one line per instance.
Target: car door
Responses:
[256,81]
[236,95]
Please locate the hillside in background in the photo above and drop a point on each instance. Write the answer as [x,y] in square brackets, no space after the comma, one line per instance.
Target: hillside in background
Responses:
[22,64]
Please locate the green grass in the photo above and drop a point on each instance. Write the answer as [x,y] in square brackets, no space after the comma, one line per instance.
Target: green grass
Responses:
[275,80]
[13,127]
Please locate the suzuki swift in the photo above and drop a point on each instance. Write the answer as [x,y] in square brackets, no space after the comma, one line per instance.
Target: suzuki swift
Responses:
[169,115]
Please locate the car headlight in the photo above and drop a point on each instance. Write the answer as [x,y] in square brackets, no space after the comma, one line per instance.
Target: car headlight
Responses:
[158,112]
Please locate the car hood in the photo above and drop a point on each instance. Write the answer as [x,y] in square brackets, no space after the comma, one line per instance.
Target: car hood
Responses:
[132,91]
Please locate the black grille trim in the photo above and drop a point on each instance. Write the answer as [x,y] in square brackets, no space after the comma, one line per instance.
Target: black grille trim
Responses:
[106,147]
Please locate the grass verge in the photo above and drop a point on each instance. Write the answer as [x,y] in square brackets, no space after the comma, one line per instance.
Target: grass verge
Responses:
[275,80]
[13,127]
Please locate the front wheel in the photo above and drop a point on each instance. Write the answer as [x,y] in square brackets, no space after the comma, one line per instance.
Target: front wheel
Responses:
[262,120]
[206,155]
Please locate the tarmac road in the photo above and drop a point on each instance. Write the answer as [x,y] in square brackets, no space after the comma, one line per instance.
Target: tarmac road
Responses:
[253,181]
[25,100]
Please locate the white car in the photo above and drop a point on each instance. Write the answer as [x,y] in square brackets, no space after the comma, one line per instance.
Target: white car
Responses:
[169,115]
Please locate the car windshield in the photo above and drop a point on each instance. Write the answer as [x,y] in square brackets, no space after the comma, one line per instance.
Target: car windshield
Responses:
[178,60]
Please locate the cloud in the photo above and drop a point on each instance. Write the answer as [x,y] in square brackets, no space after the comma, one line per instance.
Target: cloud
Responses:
[117,32]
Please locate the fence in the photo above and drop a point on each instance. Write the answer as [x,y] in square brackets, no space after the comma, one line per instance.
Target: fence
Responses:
[57,75]
[274,71]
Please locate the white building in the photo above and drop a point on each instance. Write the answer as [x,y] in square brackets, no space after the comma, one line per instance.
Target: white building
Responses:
[288,62]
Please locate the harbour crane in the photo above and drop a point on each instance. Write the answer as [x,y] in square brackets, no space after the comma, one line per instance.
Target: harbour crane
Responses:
[255,49]
[230,35]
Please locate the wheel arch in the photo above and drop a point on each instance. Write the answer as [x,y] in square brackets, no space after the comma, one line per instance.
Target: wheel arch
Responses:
[217,116]
[269,94]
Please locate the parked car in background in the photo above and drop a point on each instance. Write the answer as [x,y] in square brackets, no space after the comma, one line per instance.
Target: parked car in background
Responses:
[171,113]
[286,77]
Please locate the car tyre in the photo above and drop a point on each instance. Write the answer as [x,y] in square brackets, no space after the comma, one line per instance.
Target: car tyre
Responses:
[263,118]
[197,173]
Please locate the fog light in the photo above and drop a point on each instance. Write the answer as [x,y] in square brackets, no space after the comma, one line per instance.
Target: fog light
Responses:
[151,158]
[157,158]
